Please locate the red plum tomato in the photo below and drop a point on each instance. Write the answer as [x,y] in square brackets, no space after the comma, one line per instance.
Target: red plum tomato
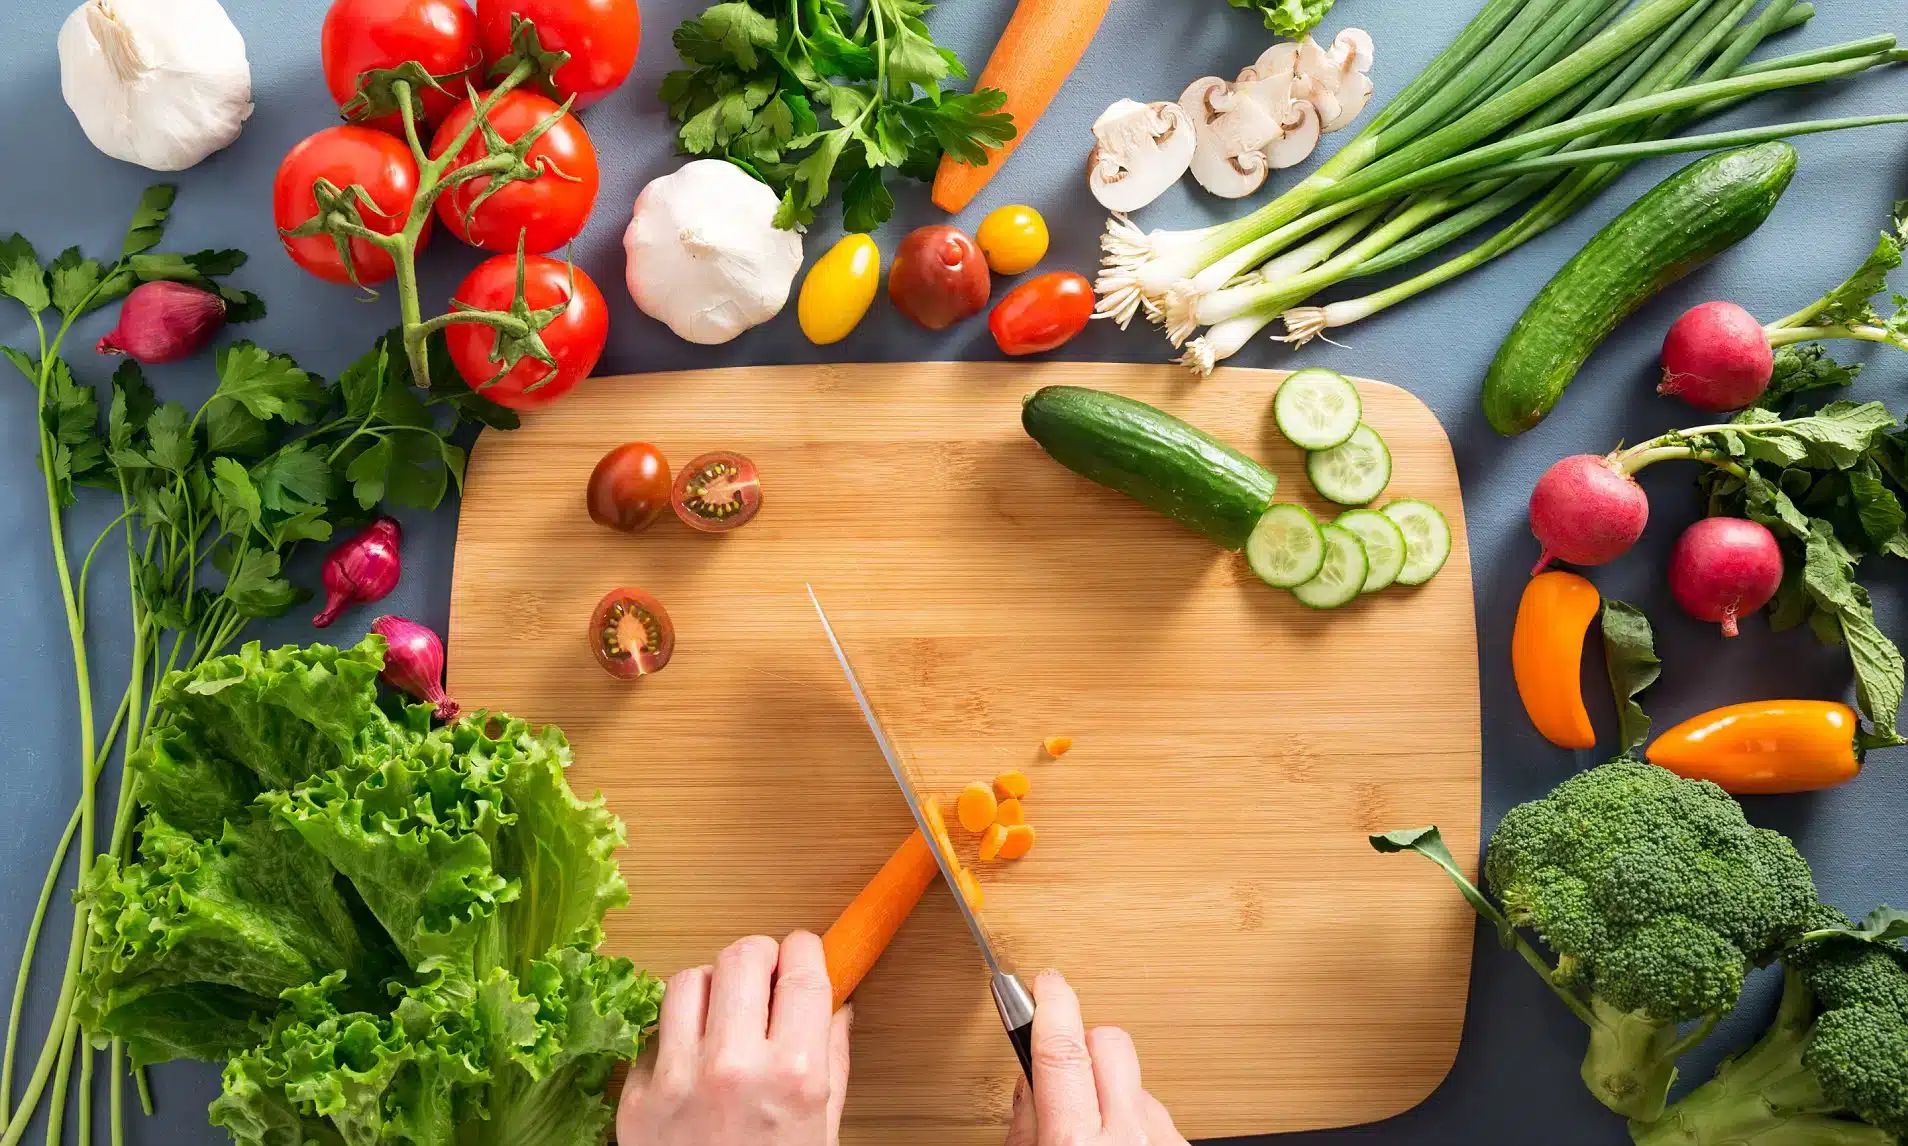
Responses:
[548,210]
[601,36]
[574,337]
[939,277]
[1042,313]
[629,488]
[630,634]
[344,156]
[362,36]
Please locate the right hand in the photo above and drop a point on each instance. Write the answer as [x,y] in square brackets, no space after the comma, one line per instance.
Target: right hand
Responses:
[1086,1085]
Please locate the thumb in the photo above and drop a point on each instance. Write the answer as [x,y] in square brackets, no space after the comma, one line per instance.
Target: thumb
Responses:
[838,1068]
[1021,1129]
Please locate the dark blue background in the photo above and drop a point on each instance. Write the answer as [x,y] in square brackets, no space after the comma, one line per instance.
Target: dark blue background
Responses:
[1516,1077]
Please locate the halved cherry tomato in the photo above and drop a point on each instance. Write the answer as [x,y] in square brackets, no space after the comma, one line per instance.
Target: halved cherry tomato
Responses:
[1042,313]
[374,35]
[548,210]
[630,634]
[601,36]
[346,156]
[574,338]
[629,488]
[717,492]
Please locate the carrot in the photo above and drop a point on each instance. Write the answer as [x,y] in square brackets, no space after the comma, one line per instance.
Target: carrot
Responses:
[931,810]
[1019,841]
[971,889]
[1010,813]
[861,934]
[1043,41]
[991,840]
[1012,785]
[1057,746]
[975,807]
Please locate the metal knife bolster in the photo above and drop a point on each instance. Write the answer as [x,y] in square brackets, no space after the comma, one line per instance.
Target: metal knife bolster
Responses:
[1016,1009]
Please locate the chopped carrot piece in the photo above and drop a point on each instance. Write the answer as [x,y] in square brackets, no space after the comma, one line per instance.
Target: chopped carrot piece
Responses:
[1012,785]
[970,889]
[1019,841]
[1010,813]
[991,839]
[931,809]
[1057,746]
[976,807]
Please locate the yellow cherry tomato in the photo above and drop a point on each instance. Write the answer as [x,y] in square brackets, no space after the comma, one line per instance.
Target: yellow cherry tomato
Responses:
[1014,239]
[839,289]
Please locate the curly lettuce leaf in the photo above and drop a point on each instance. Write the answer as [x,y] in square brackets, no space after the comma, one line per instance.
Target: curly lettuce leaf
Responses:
[1289,18]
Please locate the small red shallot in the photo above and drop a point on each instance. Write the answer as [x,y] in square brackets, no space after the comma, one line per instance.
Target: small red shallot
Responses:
[414,662]
[164,322]
[363,568]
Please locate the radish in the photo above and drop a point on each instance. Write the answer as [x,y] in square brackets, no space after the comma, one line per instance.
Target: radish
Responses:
[1717,357]
[1724,568]
[1587,510]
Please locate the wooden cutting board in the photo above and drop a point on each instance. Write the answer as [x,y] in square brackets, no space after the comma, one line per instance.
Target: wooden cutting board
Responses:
[1202,874]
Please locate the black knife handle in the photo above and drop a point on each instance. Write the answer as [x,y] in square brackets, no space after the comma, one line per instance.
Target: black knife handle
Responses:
[1022,1038]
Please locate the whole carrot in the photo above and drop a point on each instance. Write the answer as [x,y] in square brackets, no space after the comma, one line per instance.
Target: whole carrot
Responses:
[1043,41]
[861,934]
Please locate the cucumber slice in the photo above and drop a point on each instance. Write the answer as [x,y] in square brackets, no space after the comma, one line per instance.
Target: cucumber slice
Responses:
[1341,577]
[1384,545]
[1427,539]
[1317,409]
[1286,548]
[1353,472]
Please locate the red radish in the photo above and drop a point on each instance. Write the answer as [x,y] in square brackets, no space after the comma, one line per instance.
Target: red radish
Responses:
[1724,568]
[1717,357]
[1586,510]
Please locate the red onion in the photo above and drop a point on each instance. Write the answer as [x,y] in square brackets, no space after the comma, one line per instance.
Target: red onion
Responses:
[363,568]
[414,662]
[164,322]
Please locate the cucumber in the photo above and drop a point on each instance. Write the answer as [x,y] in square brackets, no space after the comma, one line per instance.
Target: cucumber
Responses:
[1677,226]
[1342,577]
[1384,545]
[1153,458]
[1427,539]
[1287,548]
[1353,472]
[1317,409]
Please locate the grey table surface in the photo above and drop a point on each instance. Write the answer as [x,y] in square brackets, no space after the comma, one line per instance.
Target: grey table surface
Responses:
[1515,1079]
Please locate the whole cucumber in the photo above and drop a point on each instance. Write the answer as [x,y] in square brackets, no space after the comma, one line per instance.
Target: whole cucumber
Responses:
[1153,458]
[1679,225]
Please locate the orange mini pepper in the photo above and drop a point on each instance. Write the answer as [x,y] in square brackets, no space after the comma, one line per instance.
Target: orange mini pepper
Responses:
[1764,747]
[1547,652]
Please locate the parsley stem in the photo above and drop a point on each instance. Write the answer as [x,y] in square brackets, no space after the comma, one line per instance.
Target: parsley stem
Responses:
[116,1094]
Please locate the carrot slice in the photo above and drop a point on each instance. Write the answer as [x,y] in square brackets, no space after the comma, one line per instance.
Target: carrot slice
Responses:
[991,839]
[975,807]
[1019,841]
[970,889]
[931,809]
[1010,813]
[1057,746]
[1012,785]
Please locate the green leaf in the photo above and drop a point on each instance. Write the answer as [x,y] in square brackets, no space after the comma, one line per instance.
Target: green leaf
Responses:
[256,589]
[21,277]
[1629,654]
[305,525]
[366,378]
[132,405]
[234,497]
[1834,437]
[170,434]
[1288,18]
[1884,925]
[74,278]
[149,219]
[1850,302]
[736,31]
[268,385]
[1428,843]
[1800,369]
[241,305]
[231,429]
[24,363]
[1878,509]
[1878,672]
[416,477]
[865,201]
[369,471]
[294,478]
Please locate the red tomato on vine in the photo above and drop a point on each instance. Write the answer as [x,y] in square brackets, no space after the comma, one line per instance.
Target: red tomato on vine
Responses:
[574,337]
[346,156]
[601,36]
[363,36]
[548,210]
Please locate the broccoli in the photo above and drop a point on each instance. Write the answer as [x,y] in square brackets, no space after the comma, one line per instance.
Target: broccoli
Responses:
[1657,898]
[1832,1069]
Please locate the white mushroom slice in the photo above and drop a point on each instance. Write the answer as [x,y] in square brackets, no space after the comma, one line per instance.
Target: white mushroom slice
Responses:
[1141,149]
[1233,129]
[1335,81]
[1279,59]
[1298,140]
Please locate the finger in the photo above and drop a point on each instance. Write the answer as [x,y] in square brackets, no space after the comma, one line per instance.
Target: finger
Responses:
[1022,1129]
[739,994]
[1065,1102]
[1160,1130]
[838,1030]
[685,1008]
[798,1014]
[1116,1077]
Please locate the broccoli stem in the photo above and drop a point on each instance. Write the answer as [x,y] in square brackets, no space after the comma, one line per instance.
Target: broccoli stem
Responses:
[1631,1061]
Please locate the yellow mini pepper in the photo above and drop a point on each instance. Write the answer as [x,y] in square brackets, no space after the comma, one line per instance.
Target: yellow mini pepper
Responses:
[1547,652]
[1764,747]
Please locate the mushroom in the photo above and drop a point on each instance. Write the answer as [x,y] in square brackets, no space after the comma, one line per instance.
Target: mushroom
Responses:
[1240,124]
[1141,149]
[1299,138]
[1336,81]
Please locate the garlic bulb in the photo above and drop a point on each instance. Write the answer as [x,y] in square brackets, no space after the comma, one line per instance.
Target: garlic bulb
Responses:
[705,256]
[160,83]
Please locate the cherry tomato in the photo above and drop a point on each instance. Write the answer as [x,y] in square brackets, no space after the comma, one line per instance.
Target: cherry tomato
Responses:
[1042,313]
[1014,239]
[346,155]
[717,492]
[600,35]
[839,289]
[574,338]
[372,35]
[629,488]
[550,209]
[630,634]
[938,277]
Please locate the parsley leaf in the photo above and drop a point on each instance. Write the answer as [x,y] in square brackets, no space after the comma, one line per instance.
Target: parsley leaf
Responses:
[293,479]
[21,276]
[268,385]
[149,219]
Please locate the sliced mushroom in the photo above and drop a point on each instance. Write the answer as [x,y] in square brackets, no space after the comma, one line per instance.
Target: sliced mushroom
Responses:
[1298,140]
[1141,149]
[1335,81]
[1239,124]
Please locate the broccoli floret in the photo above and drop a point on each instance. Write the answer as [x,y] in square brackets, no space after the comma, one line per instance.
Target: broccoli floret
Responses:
[1832,1070]
[1656,896]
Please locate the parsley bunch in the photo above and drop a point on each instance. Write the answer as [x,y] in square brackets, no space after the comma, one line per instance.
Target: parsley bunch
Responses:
[762,71]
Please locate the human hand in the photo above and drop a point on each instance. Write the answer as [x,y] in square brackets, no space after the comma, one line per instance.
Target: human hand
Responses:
[747,1054]
[1086,1085]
